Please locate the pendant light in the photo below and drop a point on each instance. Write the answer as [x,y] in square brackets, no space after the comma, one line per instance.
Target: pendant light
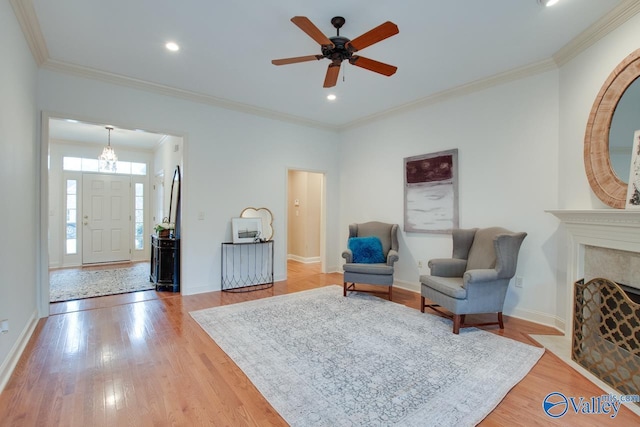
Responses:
[108,159]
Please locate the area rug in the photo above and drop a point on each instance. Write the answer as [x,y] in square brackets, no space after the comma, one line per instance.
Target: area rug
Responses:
[71,284]
[321,359]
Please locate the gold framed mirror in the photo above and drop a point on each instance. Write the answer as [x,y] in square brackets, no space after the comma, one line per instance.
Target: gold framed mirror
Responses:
[604,182]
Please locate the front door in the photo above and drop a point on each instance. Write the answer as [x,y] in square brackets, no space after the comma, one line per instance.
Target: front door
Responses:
[106,218]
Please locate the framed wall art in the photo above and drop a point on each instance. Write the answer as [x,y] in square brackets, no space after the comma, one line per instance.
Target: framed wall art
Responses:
[246,230]
[633,189]
[431,192]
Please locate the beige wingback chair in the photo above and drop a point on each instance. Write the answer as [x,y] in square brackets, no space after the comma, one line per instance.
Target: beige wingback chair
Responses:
[374,271]
[476,278]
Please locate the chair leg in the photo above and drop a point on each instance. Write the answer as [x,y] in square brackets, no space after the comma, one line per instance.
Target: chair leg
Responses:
[390,292]
[500,321]
[457,322]
[422,305]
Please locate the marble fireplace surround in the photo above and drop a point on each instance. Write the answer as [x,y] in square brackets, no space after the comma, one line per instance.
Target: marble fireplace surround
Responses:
[590,233]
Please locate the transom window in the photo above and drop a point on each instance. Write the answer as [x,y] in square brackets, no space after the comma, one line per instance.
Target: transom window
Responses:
[92,165]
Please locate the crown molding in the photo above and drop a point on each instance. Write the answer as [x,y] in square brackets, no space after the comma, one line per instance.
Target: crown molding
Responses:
[26,16]
[612,20]
[458,91]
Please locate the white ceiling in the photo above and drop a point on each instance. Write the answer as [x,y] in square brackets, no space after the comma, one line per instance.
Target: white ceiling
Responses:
[227,47]
[97,134]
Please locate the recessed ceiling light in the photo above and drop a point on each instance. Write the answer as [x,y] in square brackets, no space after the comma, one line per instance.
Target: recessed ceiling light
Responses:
[548,3]
[331,97]
[172,46]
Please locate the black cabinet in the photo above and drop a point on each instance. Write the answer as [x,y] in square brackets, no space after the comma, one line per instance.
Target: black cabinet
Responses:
[165,263]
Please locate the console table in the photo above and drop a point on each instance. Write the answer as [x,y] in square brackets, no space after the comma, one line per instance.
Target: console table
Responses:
[247,266]
[165,263]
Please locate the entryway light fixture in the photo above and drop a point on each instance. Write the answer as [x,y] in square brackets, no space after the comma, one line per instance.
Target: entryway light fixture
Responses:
[548,3]
[108,159]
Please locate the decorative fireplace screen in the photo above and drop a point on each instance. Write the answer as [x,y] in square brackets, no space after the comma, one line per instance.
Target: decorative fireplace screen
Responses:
[606,334]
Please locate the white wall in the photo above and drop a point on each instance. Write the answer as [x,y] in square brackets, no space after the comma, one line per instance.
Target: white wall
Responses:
[232,160]
[520,151]
[167,156]
[19,172]
[507,142]
[580,82]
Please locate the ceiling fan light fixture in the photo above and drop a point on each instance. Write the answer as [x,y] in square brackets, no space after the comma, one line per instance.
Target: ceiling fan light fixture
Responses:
[338,49]
[548,3]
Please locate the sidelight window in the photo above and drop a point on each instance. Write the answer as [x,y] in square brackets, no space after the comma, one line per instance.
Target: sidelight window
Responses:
[71,215]
[139,216]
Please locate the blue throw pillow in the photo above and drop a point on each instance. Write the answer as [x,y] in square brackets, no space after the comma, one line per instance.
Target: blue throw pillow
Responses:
[366,250]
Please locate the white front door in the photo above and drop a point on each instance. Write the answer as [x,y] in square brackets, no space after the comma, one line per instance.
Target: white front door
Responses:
[106,218]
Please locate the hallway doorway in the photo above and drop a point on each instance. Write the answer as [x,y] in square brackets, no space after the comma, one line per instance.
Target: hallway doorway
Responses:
[101,217]
[305,217]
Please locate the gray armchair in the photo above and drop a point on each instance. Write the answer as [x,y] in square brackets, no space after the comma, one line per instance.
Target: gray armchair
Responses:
[476,278]
[372,271]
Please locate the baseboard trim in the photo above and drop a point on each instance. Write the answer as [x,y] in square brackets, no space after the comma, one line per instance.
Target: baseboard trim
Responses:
[304,260]
[13,357]
[408,286]
[538,317]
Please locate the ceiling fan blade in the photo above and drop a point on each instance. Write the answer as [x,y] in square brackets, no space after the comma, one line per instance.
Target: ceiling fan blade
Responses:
[312,31]
[294,60]
[375,35]
[331,78]
[371,65]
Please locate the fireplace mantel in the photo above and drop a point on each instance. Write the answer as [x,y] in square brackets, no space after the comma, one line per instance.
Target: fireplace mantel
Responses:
[612,217]
[605,228]
[608,228]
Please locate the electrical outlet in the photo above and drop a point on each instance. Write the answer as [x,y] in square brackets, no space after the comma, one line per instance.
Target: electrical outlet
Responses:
[419,264]
[4,326]
[518,281]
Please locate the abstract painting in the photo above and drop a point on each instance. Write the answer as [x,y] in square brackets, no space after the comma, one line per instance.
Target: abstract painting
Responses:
[431,192]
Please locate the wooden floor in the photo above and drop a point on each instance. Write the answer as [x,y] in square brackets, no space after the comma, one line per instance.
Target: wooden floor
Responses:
[140,359]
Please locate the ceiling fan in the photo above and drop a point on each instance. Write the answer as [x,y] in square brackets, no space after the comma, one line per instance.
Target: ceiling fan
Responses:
[338,48]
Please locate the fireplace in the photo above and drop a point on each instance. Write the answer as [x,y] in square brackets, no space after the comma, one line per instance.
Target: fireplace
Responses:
[601,315]
[606,333]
